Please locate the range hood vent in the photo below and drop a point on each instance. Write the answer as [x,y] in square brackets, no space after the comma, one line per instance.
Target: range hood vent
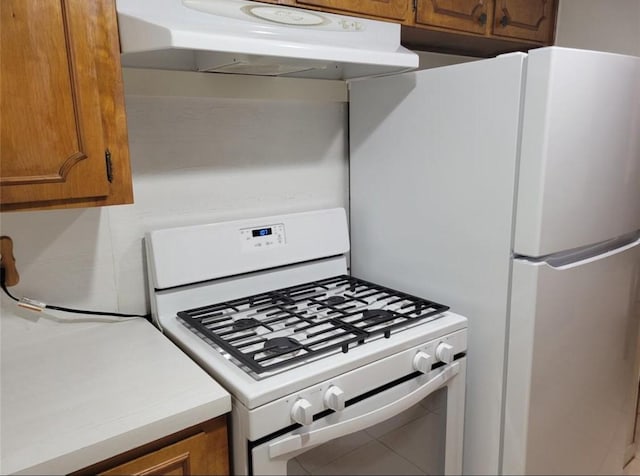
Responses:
[243,37]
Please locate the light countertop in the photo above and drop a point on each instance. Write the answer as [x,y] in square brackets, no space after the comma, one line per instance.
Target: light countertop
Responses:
[75,391]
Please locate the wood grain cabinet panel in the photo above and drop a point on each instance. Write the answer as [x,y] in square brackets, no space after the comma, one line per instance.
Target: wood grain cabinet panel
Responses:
[62,105]
[391,9]
[463,15]
[525,19]
[201,450]
[190,456]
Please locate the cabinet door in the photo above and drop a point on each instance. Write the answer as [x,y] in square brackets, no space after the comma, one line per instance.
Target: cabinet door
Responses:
[202,453]
[464,15]
[53,147]
[525,19]
[393,9]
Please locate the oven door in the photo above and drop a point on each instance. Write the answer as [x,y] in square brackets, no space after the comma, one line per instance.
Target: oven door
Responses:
[412,427]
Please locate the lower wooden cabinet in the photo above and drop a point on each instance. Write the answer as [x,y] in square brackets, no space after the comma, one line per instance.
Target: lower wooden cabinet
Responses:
[201,450]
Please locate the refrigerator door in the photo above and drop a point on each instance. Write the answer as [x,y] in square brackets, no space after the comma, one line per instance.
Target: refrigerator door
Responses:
[432,167]
[572,350]
[579,179]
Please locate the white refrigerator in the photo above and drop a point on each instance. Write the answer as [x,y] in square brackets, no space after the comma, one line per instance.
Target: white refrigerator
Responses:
[509,189]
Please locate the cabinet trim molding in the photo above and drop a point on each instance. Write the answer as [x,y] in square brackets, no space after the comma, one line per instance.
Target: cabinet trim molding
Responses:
[51,178]
[439,9]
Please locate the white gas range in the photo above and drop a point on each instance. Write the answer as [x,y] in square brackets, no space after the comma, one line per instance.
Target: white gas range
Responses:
[308,353]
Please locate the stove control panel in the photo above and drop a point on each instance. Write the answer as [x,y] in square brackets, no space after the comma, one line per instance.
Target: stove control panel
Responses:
[300,405]
[262,237]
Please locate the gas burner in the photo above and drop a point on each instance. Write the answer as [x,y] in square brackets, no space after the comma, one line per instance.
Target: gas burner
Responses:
[243,324]
[373,316]
[335,300]
[280,345]
[326,316]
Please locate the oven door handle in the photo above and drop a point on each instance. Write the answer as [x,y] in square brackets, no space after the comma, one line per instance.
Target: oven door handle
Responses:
[322,435]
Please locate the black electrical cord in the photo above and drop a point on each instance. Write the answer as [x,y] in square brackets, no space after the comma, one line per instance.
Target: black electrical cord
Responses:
[67,309]
[4,286]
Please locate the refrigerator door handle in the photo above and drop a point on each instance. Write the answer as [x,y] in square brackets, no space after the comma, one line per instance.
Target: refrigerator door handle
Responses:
[587,254]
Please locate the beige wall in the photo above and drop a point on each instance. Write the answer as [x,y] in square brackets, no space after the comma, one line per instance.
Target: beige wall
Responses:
[604,25]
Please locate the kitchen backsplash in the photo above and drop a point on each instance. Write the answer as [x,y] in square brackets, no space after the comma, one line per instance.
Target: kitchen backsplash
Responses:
[194,160]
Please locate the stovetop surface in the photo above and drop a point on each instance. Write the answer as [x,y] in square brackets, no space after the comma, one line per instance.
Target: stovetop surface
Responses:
[276,330]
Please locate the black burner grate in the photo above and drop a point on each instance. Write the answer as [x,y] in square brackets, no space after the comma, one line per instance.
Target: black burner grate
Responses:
[271,330]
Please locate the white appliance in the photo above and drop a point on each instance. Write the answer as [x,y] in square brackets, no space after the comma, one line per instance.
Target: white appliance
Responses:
[322,367]
[237,36]
[509,188]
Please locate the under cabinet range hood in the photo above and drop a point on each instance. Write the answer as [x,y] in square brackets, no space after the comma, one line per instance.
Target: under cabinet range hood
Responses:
[245,37]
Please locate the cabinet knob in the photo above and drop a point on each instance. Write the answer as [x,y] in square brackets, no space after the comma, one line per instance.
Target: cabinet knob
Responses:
[482,19]
[504,21]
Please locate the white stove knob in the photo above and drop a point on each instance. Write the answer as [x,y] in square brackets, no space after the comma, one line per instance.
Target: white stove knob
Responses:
[334,398]
[301,412]
[444,353]
[422,362]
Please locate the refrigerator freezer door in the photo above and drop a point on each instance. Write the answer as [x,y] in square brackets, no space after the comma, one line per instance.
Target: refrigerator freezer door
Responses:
[579,180]
[572,349]
[433,163]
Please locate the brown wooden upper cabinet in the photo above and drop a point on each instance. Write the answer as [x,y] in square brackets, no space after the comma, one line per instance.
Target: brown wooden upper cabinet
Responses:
[525,19]
[528,20]
[64,136]
[391,9]
[468,27]
[463,15]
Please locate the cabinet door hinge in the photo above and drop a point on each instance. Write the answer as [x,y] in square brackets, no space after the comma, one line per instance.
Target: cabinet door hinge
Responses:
[107,158]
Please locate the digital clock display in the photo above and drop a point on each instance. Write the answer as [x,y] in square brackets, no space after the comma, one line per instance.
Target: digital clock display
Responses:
[262,232]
